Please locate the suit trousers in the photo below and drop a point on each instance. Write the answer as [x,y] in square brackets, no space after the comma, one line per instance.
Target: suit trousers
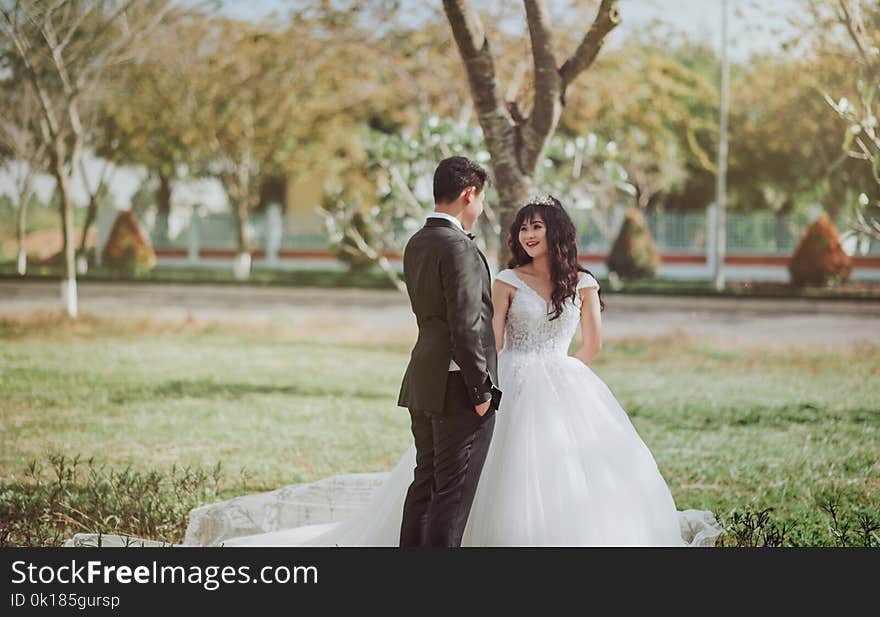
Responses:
[450,451]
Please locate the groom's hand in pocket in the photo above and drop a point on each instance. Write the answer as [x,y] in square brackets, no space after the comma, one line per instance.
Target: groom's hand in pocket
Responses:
[482,408]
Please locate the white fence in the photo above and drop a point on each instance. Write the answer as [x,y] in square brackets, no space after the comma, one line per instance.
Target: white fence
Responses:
[759,244]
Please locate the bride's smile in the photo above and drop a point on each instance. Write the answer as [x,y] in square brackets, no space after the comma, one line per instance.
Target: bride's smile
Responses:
[532,235]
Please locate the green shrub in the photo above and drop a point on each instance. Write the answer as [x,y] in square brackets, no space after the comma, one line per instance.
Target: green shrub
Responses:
[847,524]
[633,255]
[127,248]
[49,505]
[819,259]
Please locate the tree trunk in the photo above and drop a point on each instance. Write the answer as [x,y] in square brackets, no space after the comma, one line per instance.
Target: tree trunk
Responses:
[513,191]
[63,181]
[243,235]
[68,289]
[242,267]
[91,214]
[780,229]
[163,202]
[834,201]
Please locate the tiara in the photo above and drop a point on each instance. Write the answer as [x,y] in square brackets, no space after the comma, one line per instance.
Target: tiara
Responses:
[543,200]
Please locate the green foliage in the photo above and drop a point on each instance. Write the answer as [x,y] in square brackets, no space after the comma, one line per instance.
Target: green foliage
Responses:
[819,259]
[127,248]
[150,118]
[377,202]
[753,528]
[633,255]
[847,525]
[46,506]
[659,112]
[586,172]
[771,167]
[850,526]
[861,141]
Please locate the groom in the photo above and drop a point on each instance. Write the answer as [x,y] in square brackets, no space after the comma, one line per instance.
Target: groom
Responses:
[449,385]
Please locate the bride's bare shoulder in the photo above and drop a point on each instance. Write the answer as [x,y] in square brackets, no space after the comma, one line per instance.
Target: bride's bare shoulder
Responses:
[505,282]
[586,281]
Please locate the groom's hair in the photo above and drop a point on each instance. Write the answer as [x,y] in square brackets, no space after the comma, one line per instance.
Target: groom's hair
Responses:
[455,174]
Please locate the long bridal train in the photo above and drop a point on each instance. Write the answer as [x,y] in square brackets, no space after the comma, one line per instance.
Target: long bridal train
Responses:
[328,512]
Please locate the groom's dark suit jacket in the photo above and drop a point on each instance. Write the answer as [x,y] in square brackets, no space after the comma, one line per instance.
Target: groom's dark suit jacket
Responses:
[449,286]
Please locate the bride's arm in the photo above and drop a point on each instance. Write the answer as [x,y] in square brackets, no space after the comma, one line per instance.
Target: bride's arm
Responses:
[501,295]
[591,326]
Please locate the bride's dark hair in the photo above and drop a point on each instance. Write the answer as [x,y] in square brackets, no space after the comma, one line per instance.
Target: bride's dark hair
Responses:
[561,246]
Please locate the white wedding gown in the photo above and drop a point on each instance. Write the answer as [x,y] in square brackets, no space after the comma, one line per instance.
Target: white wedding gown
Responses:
[565,467]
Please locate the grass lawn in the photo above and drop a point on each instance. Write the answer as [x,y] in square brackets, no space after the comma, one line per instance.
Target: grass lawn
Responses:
[733,430]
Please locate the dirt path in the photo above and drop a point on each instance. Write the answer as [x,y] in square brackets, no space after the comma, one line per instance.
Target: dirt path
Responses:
[385,315]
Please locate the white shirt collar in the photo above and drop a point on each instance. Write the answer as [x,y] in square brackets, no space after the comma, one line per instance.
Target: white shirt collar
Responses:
[448,217]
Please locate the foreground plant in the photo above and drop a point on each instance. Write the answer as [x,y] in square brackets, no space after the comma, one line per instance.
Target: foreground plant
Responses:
[72,496]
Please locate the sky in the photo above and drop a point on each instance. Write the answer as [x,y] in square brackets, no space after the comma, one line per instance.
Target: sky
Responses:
[755,26]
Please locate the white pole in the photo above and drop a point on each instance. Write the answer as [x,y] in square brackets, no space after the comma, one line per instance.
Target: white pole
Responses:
[274,222]
[721,184]
[711,242]
[194,235]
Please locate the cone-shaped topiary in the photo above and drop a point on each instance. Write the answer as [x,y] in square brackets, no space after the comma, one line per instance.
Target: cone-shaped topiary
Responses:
[819,258]
[127,248]
[633,255]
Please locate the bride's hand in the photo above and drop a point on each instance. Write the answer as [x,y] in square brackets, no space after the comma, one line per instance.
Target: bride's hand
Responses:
[482,408]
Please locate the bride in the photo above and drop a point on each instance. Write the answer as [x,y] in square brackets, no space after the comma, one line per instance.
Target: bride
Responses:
[565,466]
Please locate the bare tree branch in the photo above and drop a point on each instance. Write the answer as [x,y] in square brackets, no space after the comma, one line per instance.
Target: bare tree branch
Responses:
[473,45]
[864,226]
[117,51]
[854,27]
[74,27]
[516,143]
[548,86]
[45,102]
[606,20]
[51,38]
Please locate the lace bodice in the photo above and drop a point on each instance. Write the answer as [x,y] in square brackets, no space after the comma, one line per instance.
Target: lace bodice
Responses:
[529,328]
